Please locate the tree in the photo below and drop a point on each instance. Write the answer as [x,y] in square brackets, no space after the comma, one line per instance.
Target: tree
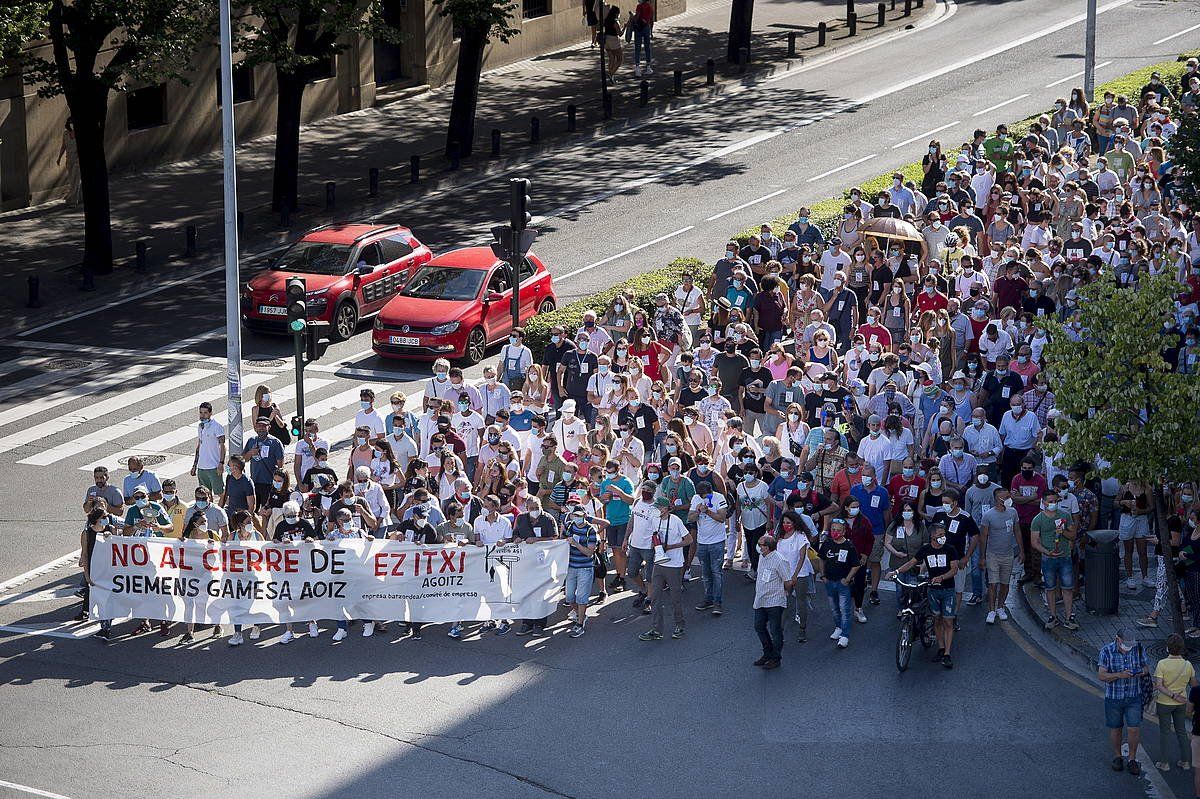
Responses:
[1183,150]
[478,22]
[97,47]
[1124,408]
[299,38]
[740,15]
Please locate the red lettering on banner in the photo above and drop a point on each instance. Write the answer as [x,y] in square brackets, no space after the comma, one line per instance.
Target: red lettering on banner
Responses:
[254,560]
[168,559]
[291,561]
[447,561]
[274,558]
[139,554]
[235,560]
[397,568]
[183,567]
[428,561]
[208,562]
[462,561]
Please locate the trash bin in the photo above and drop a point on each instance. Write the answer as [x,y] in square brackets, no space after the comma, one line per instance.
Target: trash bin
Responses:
[1101,563]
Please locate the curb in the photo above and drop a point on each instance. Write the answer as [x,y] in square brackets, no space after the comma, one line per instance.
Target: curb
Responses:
[1032,602]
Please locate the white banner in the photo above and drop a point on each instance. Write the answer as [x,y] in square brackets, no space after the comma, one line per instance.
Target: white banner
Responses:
[261,583]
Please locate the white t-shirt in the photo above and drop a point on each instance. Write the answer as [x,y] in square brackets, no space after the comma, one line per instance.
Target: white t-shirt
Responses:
[370,419]
[491,532]
[688,299]
[708,529]
[671,531]
[308,453]
[875,451]
[571,435]
[403,447]
[643,520]
[830,264]
[634,446]
[209,434]
[794,549]
[468,428]
[753,501]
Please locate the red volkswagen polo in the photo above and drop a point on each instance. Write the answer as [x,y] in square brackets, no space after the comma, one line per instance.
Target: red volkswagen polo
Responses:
[458,304]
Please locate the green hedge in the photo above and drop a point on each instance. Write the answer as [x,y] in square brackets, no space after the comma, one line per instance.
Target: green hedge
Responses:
[644,287]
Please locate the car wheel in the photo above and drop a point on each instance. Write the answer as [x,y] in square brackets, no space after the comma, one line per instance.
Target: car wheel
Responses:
[476,347]
[547,306]
[345,322]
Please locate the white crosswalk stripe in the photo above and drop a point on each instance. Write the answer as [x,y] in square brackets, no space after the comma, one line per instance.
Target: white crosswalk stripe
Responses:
[40,404]
[139,423]
[101,409]
[23,362]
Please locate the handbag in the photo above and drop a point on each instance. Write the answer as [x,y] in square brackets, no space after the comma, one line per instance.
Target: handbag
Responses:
[600,563]
[1145,682]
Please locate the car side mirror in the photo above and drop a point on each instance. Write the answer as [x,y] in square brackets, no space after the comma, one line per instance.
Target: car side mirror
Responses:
[364,269]
[493,296]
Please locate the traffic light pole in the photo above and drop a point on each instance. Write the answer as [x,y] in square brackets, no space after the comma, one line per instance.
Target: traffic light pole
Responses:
[233,320]
[299,339]
[514,275]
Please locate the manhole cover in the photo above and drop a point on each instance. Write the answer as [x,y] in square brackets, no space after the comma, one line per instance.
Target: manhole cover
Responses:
[59,364]
[265,362]
[1158,650]
[147,460]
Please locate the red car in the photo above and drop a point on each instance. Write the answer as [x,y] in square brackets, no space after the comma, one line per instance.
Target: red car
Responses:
[350,271]
[458,304]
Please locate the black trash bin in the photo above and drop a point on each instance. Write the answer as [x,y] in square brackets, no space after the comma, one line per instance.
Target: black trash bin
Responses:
[1101,563]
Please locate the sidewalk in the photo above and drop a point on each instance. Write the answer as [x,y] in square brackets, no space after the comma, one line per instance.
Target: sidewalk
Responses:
[157,205]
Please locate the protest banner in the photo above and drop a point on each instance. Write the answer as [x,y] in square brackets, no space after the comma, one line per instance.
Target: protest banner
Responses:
[209,582]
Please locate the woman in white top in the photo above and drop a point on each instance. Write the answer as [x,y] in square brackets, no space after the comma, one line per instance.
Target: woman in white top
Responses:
[535,390]
[793,543]
[636,374]
[793,432]
[451,470]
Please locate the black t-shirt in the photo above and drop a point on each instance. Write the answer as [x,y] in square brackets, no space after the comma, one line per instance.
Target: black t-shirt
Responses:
[811,503]
[644,431]
[289,532]
[837,559]
[580,367]
[688,398]
[938,560]
[815,401]
[959,529]
[422,533]
[748,376]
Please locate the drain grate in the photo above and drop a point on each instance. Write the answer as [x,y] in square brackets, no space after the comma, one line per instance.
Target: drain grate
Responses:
[147,460]
[263,363]
[61,364]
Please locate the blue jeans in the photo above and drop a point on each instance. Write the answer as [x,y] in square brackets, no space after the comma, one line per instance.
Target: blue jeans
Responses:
[711,556]
[1102,144]
[841,604]
[641,38]
[768,623]
[976,575]
[1126,712]
[770,337]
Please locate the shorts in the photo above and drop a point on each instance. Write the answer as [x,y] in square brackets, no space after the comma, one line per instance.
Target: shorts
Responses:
[877,550]
[1131,527]
[579,584]
[941,602]
[960,580]
[999,569]
[1125,712]
[615,533]
[1058,573]
[212,480]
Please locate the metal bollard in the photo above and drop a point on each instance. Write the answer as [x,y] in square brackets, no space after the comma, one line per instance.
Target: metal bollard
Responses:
[455,154]
[414,169]
[285,215]
[849,8]
[495,142]
[710,78]
[678,83]
[792,44]
[608,105]
[373,182]
[139,256]
[882,15]
[572,111]
[189,249]
[89,279]
[35,284]
[920,3]
[644,94]
[908,8]
[852,24]
[330,195]
[743,59]
[822,32]
[535,131]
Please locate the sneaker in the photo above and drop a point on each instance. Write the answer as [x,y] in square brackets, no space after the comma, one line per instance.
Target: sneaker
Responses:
[974,600]
[637,72]
[255,634]
[646,609]
[937,657]
[576,631]
[1162,765]
[573,616]
[705,605]
[647,71]
[503,628]
[639,600]
[874,598]
[836,634]
[1118,764]
[762,661]
[1148,621]
[1131,584]
[946,661]
[843,642]
[416,633]
[771,664]
[313,629]
[1051,623]
[991,617]
[286,638]
[488,625]
[860,617]
[1071,624]
[716,610]
[186,639]
[81,616]
[368,629]
[235,639]
[1149,582]
[677,632]
[340,635]
[1133,767]
[650,635]
[1002,613]
[526,629]
[79,593]
[104,635]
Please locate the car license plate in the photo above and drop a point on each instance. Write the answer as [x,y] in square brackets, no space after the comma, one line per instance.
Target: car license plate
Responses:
[409,341]
[272,310]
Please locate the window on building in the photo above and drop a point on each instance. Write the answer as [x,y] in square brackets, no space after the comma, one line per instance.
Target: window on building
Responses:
[531,9]
[243,84]
[323,69]
[146,108]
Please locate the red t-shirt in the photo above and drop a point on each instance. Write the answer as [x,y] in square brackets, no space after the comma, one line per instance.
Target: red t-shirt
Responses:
[902,491]
[843,481]
[650,358]
[935,302]
[977,326]
[874,334]
[1034,486]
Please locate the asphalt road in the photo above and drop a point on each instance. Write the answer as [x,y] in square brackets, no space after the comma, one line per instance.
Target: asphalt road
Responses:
[565,717]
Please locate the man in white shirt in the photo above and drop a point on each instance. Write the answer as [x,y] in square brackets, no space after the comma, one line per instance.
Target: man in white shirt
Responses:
[404,450]
[689,299]
[306,449]
[644,517]
[491,528]
[875,449]
[673,538]
[367,416]
[468,424]
[210,451]
[832,260]
[375,497]
[569,429]
[709,512]
[629,453]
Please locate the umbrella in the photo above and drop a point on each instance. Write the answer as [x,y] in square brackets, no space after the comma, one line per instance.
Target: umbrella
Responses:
[891,228]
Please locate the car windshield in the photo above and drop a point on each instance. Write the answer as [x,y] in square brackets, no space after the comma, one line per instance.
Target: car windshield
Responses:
[445,283]
[314,258]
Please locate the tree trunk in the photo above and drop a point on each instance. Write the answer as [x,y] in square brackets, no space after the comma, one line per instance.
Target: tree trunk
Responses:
[1164,546]
[466,90]
[88,103]
[287,140]
[740,15]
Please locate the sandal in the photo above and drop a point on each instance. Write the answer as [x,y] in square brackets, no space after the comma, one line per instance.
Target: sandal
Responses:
[144,627]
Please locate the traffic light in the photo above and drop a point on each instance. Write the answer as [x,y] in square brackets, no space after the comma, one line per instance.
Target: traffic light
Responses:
[518,202]
[297,425]
[297,311]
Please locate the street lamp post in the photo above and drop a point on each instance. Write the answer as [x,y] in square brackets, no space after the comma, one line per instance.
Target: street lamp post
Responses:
[233,322]
[1089,52]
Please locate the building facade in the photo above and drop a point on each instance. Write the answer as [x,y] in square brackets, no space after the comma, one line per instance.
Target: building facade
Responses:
[173,121]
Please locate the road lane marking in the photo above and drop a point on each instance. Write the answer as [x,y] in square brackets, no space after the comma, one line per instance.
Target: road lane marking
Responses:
[1074,75]
[1000,105]
[27,789]
[745,205]
[925,135]
[34,573]
[835,170]
[630,251]
[1176,35]
[35,405]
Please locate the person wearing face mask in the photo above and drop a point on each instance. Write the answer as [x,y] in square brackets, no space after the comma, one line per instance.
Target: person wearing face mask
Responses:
[97,527]
[1019,432]
[265,454]
[752,500]
[1052,531]
[999,545]
[102,489]
[146,518]
[1121,665]
[574,372]
[138,475]
[515,360]
[958,466]
[708,513]
[875,506]
[839,561]
[175,508]
[775,581]
[367,416]
[1027,488]
[210,449]
[863,536]
[873,331]
[940,560]
[644,519]
[905,536]
[669,539]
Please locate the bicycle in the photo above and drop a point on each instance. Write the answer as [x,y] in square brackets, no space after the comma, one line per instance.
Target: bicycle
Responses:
[915,620]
